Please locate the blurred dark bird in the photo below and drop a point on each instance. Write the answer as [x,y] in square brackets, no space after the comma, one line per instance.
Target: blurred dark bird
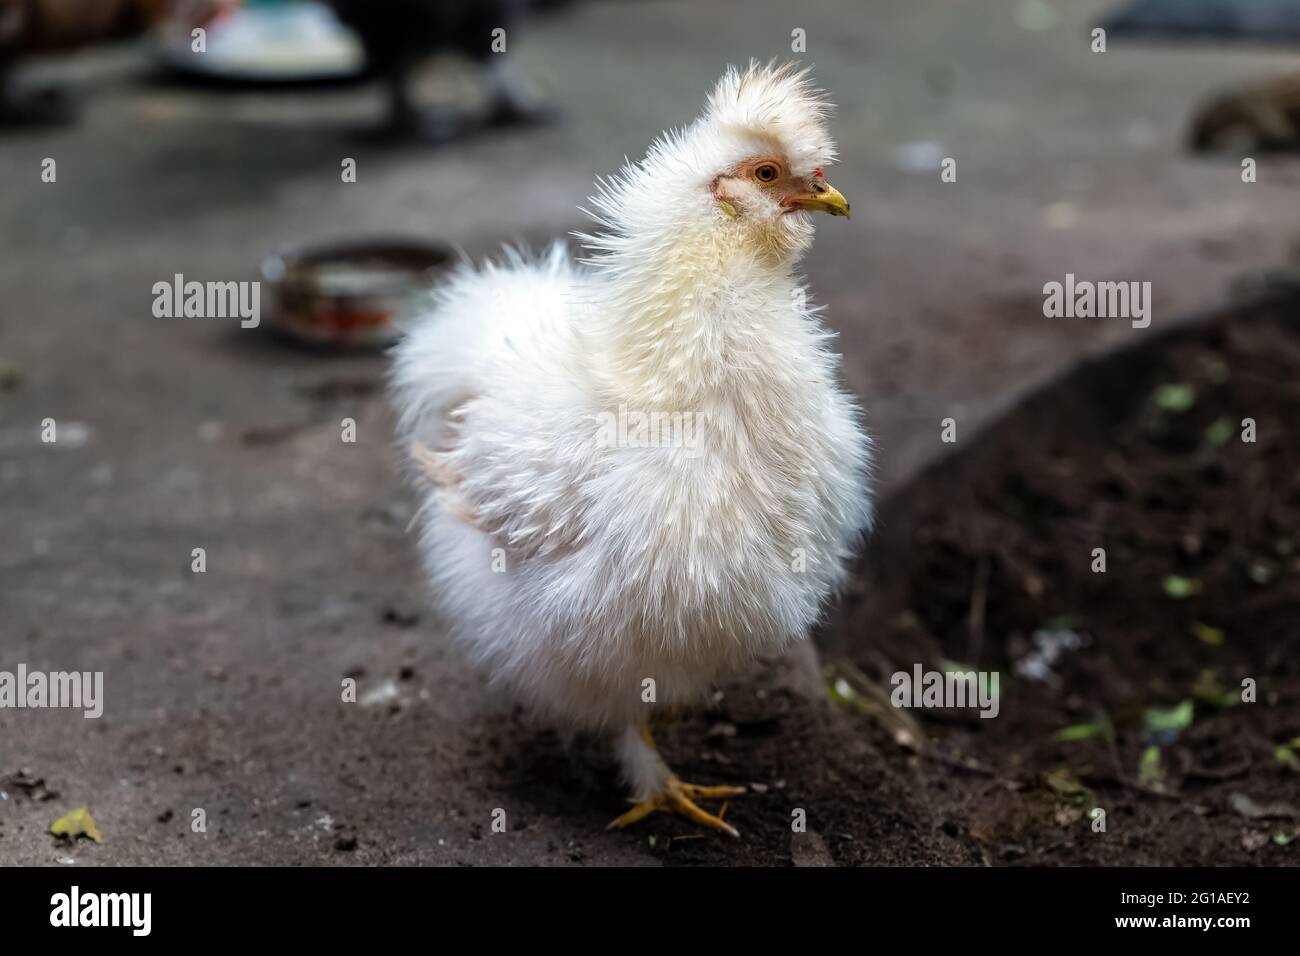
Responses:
[398,35]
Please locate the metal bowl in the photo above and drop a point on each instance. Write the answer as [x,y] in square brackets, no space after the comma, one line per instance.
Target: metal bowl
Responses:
[349,294]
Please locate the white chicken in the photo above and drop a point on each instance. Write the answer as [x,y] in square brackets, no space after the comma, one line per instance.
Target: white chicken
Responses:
[640,470]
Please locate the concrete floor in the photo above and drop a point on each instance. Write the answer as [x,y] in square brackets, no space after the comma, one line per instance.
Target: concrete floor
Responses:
[222,688]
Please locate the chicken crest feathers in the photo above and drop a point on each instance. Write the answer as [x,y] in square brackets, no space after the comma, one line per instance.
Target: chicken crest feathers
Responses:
[779,100]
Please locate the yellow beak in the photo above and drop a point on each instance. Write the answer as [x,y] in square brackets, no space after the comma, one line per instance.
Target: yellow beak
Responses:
[823,198]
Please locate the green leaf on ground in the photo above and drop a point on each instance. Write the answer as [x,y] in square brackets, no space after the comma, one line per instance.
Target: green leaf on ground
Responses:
[1208,634]
[1067,785]
[1179,587]
[1260,572]
[1098,728]
[1220,432]
[848,687]
[75,824]
[1210,691]
[1174,719]
[1285,755]
[1151,771]
[1063,622]
[1176,397]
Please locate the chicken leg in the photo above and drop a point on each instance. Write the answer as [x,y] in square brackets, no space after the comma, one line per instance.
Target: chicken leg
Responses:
[659,789]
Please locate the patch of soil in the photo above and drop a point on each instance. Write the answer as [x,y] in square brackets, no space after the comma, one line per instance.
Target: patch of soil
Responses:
[820,790]
[987,562]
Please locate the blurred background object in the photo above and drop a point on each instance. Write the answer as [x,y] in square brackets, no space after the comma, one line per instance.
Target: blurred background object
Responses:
[266,42]
[37,27]
[351,294]
[1258,116]
[1267,21]
[399,35]
[272,42]
[293,41]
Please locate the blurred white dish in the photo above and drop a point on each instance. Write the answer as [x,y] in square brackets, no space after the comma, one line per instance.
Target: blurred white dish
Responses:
[297,42]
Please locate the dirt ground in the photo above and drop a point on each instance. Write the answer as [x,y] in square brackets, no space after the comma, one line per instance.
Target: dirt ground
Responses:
[987,561]
[223,688]
[976,563]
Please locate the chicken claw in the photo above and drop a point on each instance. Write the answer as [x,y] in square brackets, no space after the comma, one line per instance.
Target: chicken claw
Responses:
[679,798]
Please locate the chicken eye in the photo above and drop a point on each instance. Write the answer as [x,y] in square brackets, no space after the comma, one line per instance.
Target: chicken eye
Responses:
[766,173]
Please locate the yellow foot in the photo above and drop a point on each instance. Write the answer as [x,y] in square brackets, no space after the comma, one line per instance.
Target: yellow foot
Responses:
[679,798]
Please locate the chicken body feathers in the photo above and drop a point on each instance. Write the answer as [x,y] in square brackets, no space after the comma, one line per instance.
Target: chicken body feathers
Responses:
[575,561]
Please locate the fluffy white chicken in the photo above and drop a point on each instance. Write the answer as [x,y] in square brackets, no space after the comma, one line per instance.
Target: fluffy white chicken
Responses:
[640,470]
